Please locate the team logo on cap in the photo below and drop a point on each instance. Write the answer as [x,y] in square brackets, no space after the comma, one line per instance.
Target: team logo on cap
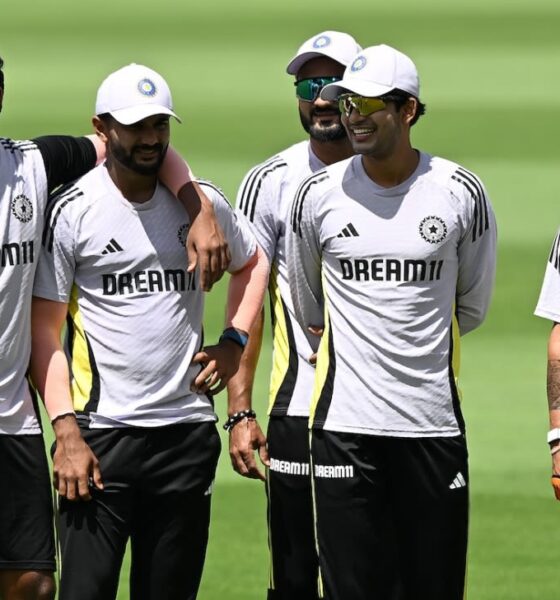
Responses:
[433,229]
[182,234]
[359,63]
[322,41]
[147,87]
[22,208]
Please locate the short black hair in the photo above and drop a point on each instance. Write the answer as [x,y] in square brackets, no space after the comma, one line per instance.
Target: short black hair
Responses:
[1,73]
[400,98]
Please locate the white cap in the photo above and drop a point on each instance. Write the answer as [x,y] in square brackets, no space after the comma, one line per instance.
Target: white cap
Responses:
[375,71]
[339,46]
[134,93]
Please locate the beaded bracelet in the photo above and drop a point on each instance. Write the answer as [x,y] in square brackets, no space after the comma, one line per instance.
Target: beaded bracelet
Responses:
[239,416]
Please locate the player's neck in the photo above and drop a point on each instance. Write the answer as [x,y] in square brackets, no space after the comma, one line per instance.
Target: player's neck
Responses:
[393,170]
[133,186]
[331,152]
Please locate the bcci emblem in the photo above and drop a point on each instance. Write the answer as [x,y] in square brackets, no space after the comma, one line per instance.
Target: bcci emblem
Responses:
[22,208]
[433,229]
[147,87]
[359,63]
[322,41]
[182,234]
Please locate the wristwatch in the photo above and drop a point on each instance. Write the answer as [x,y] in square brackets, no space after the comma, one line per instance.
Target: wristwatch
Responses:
[553,435]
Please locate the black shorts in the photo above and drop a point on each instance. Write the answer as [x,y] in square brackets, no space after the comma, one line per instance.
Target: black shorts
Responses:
[26,507]
[157,491]
[392,516]
[294,565]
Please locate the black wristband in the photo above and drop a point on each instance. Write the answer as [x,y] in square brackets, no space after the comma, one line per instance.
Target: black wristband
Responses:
[235,335]
[239,416]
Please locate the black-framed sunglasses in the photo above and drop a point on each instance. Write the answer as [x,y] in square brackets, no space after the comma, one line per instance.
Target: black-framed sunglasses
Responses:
[309,89]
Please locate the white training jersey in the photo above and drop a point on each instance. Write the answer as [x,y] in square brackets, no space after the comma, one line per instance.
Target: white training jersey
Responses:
[391,268]
[548,305]
[135,314]
[23,196]
[264,198]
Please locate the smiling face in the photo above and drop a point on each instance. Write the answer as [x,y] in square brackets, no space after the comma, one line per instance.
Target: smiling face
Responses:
[381,133]
[319,118]
[140,147]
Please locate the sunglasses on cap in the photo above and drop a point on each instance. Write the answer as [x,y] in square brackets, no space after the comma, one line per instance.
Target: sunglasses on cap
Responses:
[364,106]
[309,89]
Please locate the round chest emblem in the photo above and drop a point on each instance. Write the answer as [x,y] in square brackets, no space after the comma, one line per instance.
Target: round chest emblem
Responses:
[147,87]
[22,208]
[433,229]
[182,234]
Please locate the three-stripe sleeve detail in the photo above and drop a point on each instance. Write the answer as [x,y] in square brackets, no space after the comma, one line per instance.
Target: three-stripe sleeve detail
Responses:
[252,186]
[554,258]
[297,208]
[54,208]
[474,186]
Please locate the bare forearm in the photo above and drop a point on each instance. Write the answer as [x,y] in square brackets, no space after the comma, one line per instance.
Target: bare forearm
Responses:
[553,391]
[49,365]
[246,292]
[553,376]
[240,386]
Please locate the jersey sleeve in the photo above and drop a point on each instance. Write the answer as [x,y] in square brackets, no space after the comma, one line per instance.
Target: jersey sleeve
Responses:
[258,202]
[476,252]
[55,271]
[241,241]
[304,256]
[548,305]
[66,158]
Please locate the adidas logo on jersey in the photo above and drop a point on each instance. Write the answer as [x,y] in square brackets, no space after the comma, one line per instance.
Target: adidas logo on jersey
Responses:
[348,231]
[112,246]
[458,482]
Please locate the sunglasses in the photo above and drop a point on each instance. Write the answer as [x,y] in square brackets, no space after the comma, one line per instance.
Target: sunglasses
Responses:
[364,106]
[309,89]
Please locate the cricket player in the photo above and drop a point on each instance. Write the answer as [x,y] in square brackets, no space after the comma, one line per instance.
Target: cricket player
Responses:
[393,252]
[548,307]
[29,170]
[264,198]
[136,443]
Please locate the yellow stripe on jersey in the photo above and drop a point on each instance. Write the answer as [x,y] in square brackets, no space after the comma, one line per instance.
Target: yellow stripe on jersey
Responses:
[456,358]
[82,381]
[322,367]
[280,342]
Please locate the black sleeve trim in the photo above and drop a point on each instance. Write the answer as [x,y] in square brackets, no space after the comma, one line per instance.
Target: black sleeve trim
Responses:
[66,158]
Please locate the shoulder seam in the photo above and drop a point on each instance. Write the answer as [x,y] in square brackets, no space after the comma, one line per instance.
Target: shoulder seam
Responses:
[297,208]
[54,208]
[250,191]
[474,187]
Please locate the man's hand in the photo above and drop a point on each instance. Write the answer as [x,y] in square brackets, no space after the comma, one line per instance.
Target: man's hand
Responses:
[244,438]
[220,363]
[75,467]
[318,331]
[206,243]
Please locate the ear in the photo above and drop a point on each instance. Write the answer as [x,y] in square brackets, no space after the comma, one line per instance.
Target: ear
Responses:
[101,129]
[409,110]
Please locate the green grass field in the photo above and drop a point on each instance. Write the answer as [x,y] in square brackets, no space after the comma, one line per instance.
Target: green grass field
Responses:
[489,75]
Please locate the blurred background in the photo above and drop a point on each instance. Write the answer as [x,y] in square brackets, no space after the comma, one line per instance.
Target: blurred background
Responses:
[489,75]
